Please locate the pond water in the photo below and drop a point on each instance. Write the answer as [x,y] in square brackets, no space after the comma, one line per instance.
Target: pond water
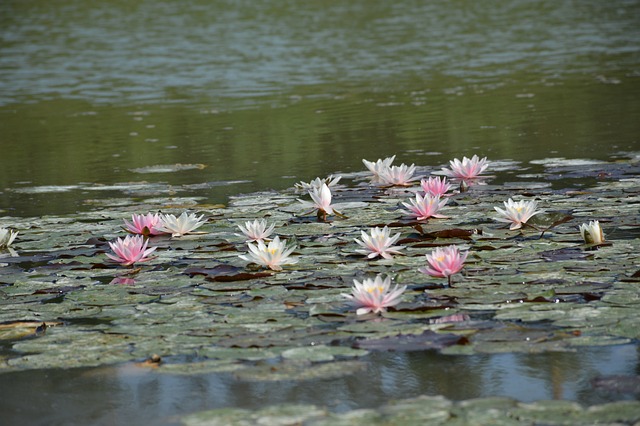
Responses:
[101,104]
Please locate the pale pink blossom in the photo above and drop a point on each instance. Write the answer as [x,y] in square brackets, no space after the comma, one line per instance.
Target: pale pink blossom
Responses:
[444,262]
[272,255]
[424,207]
[468,168]
[374,295]
[379,243]
[130,249]
[257,230]
[436,186]
[517,213]
[144,224]
[317,183]
[321,201]
[401,175]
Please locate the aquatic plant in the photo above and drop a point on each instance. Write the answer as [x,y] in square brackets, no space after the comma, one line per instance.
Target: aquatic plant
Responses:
[424,207]
[378,166]
[517,213]
[6,237]
[435,185]
[257,230]
[130,249]
[317,183]
[144,224]
[444,262]
[592,232]
[401,175]
[321,202]
[379,243]
[272,255]
[468,168]
[182,225]
[374,295]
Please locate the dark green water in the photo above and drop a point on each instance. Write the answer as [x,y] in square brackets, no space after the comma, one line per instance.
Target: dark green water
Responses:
[268,93]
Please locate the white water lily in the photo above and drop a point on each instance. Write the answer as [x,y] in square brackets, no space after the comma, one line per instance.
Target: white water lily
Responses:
[317,183]
[272,255]
[468,168]
[379,165]
[379,243]
[374,295]
[592,232]
[179,226]
[517,213]
[321,202]
[401,175]
[6,237]
[257,230]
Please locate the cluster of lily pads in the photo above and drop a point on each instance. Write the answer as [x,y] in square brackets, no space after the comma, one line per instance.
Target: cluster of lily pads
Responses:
[370,295]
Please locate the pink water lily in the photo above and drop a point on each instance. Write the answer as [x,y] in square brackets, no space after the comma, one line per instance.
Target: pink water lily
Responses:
[436,186]
[379,243]
[425,207]
[468,168]
[130,249]
[374,295]
[444,262]
[517,213]
[144,224]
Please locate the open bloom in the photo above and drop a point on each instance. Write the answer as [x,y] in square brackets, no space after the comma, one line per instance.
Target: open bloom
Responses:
[435,186]
[144,224]
[6,237]
[401,175]
[130,249]
[179,226]
[379,243]
[378,166]
[517,213]
[592,232]
[272,255]
[444,262]
[257,230]
[317,183]
[468,168]
[425,207]
[374,295]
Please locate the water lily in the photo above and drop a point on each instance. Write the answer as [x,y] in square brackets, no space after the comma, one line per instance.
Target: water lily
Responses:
[179,226]
[6,237]
[468,168]
[130,249]
[144,224]
[317,183]
[272,255]
[378,166]
[592,232]
[517,213]
[401,175]
[444,262]
[436,186]
[425,207]
[374,295]
[321,202]
[257,230]
[379,243]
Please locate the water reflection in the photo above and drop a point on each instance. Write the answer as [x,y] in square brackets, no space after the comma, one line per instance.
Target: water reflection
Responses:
[136,395]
